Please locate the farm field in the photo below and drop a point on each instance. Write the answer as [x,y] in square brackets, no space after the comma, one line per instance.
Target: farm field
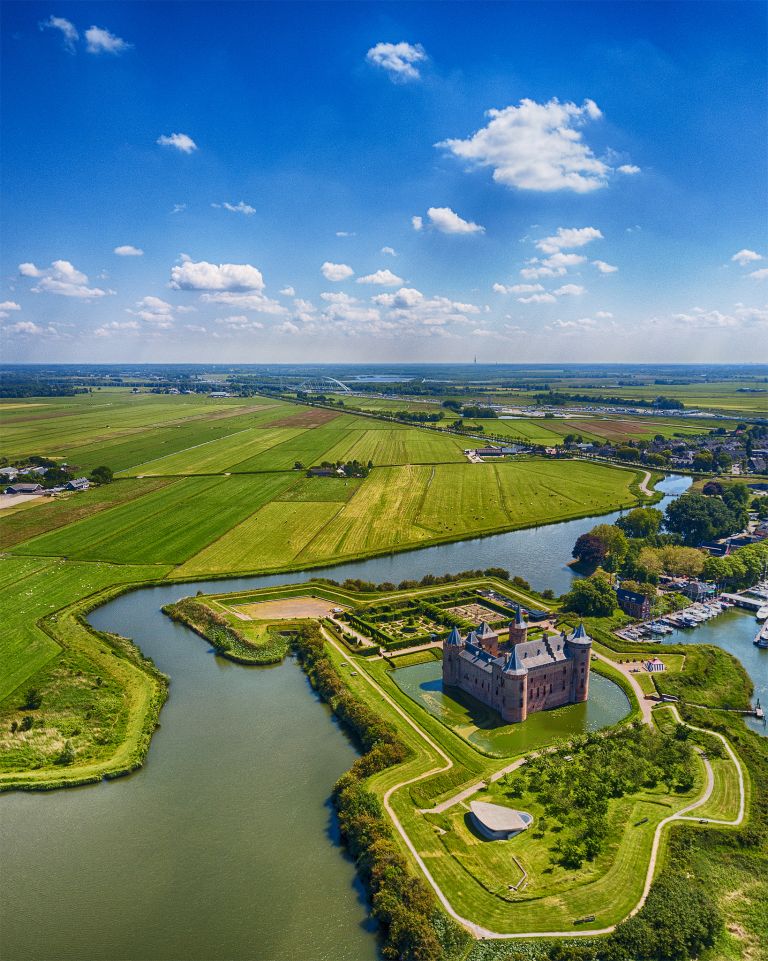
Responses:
[396,507]
[167,525]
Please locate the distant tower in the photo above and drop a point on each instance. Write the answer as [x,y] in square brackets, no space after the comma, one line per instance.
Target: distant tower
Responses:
[518,629]
[579,648]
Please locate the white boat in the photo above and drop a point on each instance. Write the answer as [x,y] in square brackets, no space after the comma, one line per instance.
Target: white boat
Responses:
[761,638]
[762,614]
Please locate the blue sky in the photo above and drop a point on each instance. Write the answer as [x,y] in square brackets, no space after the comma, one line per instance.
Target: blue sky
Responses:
[359,182]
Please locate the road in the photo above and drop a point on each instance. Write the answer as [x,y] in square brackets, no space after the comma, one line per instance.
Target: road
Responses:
[477,930]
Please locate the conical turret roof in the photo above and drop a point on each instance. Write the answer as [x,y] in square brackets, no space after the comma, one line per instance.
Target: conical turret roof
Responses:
[454,638]
[514,663]
[580,634]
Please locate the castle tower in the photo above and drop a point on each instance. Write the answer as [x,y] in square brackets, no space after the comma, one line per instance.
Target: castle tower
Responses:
[578,649]
[518,629]
[451,661]
[513,705]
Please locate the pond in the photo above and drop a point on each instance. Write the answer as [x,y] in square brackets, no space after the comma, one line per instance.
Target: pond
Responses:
[483,727]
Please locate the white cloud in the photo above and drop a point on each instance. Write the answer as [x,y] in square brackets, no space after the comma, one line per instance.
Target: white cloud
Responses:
[180,141]
[255,301]
[177,208]
[746,256]
[604,268]
[398,59]
[417,223]
[128,250]
[345,233]
[567,237]
[761,274]
[28,328]
[204,276]
[569,290]
[389,250]
[116,327]
[538,299]
[517,288]
[99,40]
[628,169]
[239,208]
[6,306]
[564,260]
[62,278]
[604,315]
[537,146]
[447,221]
[336,272]
[534,273]
[155,311]
[582,325]
[703,319]
[382,278]
[239,322]
[288,292]
[68,31]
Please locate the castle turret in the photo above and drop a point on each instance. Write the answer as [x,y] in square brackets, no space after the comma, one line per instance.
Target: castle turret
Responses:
[518,629]
[514,700]
[451,663]
[578,648]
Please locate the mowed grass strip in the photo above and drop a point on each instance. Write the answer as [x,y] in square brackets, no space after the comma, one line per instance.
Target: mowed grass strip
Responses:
[167,527]
[307,446]
[409,446]
[217,456]
[49,514]
[273,537]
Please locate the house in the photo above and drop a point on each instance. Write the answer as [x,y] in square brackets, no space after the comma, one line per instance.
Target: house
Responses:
[219,393]
[24,489]
[634,604]
[77,484]
[653,665]
[9,473]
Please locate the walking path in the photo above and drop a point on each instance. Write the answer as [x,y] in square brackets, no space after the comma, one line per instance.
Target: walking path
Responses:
[478,930]
[646,707]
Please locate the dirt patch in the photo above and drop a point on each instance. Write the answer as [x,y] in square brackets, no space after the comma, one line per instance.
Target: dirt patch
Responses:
[13,500]
[311,417]
[284,610]
[612,428]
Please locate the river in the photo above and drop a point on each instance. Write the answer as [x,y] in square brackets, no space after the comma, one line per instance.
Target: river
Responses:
[223,846]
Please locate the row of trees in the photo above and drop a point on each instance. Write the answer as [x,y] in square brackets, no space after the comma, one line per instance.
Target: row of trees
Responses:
[412,926]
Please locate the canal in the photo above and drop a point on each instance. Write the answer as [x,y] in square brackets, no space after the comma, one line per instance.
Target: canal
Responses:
[224,846]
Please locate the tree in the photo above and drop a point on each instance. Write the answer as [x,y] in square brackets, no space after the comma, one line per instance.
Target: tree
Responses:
[641,522]
[589,550]
[298,465]
[102,475]
[591,596]
[699,519]
[703,460]
[614,542]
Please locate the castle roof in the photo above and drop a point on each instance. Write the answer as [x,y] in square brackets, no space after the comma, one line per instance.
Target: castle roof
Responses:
[454,638]
[580,634]
[514,662]
[519,619]
[484,630]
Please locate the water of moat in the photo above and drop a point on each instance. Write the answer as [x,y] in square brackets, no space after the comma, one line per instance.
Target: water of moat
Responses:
[223,846]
